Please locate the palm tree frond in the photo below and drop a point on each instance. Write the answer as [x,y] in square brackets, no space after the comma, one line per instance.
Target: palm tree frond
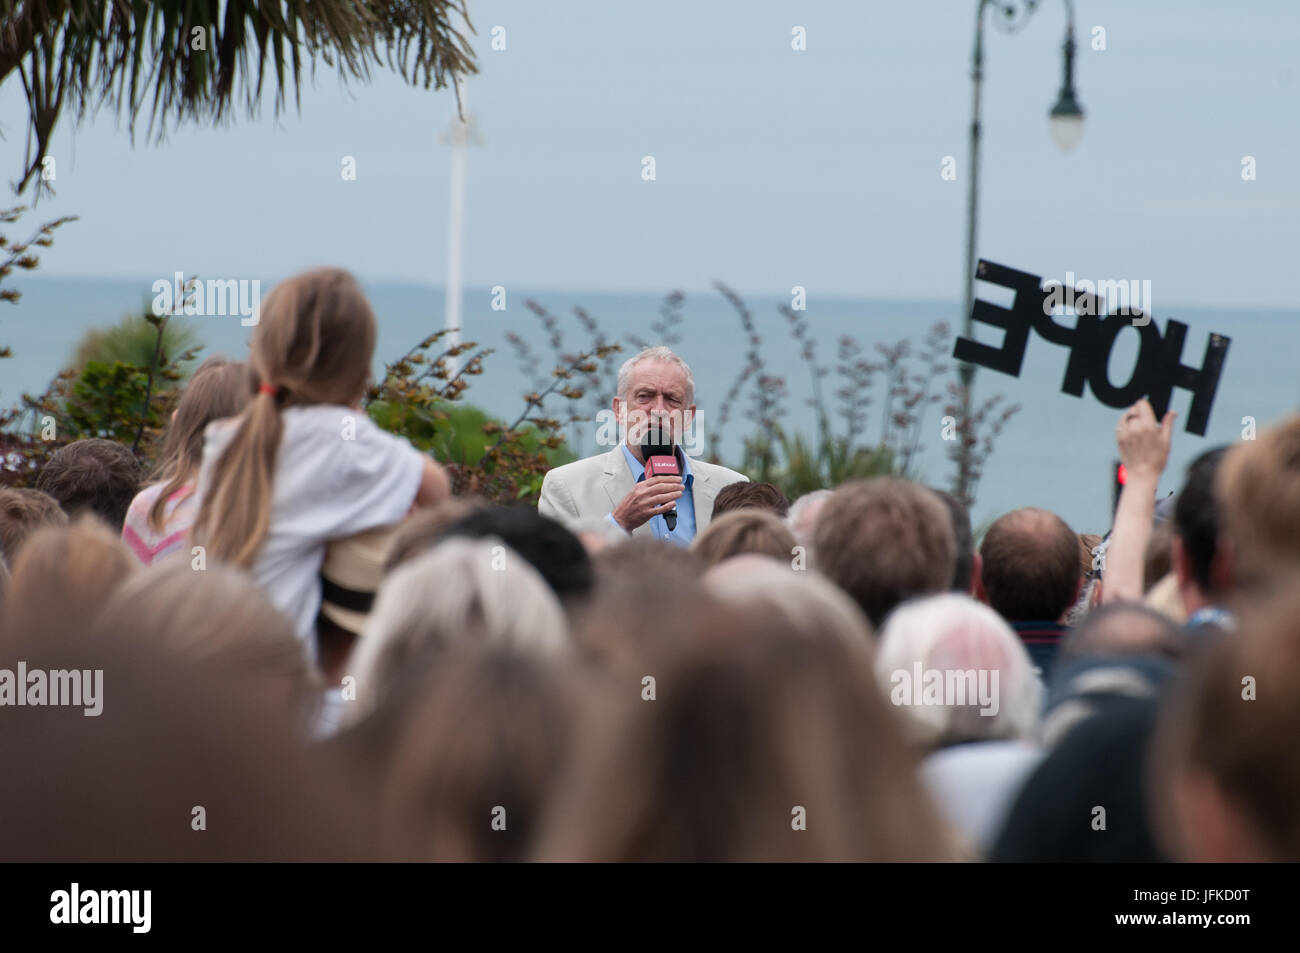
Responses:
[193,60]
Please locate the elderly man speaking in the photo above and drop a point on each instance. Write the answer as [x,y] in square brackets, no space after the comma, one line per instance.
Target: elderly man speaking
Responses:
[656,396]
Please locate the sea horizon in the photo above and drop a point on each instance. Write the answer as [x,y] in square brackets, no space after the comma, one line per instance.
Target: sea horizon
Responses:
[1057,452]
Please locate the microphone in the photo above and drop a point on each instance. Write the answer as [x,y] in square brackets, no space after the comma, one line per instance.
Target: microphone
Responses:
[661,460]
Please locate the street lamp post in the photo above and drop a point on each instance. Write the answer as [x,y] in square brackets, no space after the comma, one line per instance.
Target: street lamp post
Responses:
[1066,130]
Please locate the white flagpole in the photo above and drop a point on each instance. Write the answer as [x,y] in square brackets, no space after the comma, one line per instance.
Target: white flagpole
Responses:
[459,138]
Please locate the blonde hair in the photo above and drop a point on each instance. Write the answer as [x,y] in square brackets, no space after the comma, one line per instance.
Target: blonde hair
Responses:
[216,617]
[1259,485]
[219,388]
[745,531]
[313,345]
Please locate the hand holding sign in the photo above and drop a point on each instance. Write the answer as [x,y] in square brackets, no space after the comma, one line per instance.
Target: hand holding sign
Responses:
[1144,449]
[1144,443]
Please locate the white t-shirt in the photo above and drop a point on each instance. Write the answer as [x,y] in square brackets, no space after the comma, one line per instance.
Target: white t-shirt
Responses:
[336,474]
[975,785]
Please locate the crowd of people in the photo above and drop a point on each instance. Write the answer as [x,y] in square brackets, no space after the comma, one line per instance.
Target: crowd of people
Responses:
[311,649]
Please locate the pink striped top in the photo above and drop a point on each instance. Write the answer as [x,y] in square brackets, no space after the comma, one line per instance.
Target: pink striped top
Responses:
[178,517]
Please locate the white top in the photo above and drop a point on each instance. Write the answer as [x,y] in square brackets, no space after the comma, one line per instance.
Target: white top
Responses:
[336,474]
[976,784]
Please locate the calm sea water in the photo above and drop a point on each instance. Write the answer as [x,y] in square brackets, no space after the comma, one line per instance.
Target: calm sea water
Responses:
[1057,452]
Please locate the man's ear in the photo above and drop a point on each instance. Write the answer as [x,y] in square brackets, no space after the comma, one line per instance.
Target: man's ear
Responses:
[977,578]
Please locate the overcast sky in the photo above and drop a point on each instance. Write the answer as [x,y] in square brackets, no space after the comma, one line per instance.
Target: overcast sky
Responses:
[774,167]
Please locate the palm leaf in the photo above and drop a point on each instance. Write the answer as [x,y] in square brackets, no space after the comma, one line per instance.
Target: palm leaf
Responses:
[85,55]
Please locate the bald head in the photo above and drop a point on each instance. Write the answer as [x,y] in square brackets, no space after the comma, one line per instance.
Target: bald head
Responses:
[1031,566]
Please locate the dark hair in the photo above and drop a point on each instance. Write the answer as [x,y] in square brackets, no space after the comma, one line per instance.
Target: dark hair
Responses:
[1196,514]
[883,541]
[1031,565]
[544,543]
[745,495]
[424,529]
[93,474]
[962,536]
[22,512]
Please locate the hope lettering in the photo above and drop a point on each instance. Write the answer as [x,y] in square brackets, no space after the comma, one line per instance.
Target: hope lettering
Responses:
[1159,367]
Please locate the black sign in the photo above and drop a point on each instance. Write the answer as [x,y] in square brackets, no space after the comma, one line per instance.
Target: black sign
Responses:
[1159,368]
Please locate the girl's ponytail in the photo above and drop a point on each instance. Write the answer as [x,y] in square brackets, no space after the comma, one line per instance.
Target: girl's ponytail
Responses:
[240,487]
[313,345]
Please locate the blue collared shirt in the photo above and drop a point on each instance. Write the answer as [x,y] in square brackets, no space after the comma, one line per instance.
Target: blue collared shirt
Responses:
[685,531]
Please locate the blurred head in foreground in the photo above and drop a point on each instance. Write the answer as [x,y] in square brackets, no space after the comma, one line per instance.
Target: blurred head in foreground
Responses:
[1226,764]
[64,574]
[184,762]
[477,756]
[753,743]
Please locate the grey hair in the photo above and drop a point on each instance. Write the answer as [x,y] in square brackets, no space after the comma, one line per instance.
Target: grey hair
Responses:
[461,590]
[803,512]
[960,634]
[659,353]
